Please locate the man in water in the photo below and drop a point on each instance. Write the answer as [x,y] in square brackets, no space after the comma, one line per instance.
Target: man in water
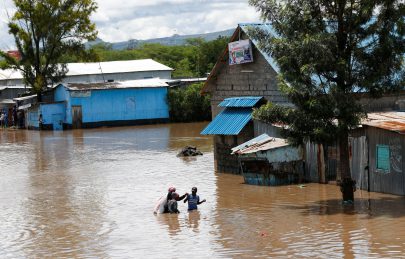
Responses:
[172,198]
[193,199]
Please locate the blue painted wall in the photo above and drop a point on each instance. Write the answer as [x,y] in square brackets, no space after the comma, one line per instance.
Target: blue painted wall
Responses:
[61,94]
[117,104]
[32,117]
[51,112]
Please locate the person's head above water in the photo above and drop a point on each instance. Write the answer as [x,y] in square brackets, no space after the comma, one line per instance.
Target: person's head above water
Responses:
[175,195]
[194,190]
[172,189]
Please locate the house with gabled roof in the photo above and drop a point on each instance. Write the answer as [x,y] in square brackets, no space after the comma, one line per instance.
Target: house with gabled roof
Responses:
[233,84]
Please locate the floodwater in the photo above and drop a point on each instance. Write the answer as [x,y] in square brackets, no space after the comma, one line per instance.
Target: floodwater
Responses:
[90,194]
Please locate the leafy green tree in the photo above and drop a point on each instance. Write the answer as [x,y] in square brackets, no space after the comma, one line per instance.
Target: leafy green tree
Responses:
[327,50]
[188,105]
[45,31]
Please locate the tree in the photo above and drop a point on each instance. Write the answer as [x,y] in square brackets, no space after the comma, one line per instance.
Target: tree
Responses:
[327,50]
[44,32]
[188,105]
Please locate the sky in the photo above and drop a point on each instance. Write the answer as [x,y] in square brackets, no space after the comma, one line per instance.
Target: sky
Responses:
[121,20]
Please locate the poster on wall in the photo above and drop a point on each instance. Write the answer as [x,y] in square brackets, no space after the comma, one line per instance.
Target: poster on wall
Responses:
[240,52]
[80,94]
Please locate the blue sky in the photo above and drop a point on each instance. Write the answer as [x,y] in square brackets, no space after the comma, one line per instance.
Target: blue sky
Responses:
[119,20]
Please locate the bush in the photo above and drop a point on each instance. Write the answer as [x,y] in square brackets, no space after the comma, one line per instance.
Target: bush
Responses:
[188,105]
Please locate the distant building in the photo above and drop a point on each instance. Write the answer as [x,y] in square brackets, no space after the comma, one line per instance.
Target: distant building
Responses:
[14,54]
[99,72]
[7,93]
[10,92]
[88,105]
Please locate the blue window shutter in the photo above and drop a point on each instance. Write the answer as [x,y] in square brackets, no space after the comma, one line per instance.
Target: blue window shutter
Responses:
[383,158]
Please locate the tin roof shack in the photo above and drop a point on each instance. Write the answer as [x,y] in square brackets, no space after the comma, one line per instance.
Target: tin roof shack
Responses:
[100,72]
[380,151]
[133,102]
[270,161]
[232,127]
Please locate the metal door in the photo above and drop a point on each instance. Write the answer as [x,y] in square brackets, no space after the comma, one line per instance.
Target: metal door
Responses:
[76,117]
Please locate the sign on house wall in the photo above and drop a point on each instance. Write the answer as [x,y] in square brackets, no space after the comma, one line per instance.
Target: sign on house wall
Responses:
[80,94]
[240,52]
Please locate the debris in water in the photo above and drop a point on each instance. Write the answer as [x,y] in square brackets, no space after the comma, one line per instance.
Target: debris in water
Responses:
[189,151]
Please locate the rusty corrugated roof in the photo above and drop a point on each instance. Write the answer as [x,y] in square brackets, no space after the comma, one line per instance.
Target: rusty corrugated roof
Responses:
[393,121]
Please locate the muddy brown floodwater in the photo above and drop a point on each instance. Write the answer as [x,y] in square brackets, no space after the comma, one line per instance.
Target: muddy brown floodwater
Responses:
[90,194]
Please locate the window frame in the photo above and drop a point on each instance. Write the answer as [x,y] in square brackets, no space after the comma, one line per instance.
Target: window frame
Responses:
[380,167]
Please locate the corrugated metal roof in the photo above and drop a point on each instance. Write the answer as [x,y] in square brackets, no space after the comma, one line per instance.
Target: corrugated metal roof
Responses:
[260,143]
[141,83]
[14,87]
[231,121]
[7,101]
[392,121]
[110,67]
[25,97]
[248,101]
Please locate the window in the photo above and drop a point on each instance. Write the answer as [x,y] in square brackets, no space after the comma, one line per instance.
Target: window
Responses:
[383,158]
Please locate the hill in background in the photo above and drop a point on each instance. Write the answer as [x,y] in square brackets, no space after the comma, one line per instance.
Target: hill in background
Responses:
[175,40]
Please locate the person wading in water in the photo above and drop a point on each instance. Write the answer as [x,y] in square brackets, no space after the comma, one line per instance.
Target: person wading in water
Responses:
[172,198]
[193,199]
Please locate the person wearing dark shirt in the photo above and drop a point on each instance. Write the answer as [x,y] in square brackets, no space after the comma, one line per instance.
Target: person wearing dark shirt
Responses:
[172,199]
[193,199]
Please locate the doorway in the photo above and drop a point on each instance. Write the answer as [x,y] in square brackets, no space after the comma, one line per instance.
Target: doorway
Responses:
[77,117]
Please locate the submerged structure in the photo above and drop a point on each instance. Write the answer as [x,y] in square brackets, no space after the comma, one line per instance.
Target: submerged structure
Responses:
[89,105]
[271,161]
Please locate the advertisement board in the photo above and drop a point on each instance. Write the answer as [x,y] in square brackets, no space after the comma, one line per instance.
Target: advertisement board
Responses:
[240,52]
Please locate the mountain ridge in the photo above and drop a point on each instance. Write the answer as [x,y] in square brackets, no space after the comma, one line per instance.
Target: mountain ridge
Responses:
[174,40]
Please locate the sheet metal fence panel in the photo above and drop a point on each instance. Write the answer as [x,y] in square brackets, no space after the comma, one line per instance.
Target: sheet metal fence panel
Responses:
[261,128]
[311,162]
[359,161]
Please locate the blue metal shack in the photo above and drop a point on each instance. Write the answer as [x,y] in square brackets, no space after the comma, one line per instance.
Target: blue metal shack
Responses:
[114,103]
[88,105]
[266,160]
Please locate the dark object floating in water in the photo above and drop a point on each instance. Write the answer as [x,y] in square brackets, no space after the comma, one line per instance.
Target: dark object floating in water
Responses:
[189,151]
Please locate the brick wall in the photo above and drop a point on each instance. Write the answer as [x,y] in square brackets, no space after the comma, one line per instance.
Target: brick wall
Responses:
[251,79]
[224,161]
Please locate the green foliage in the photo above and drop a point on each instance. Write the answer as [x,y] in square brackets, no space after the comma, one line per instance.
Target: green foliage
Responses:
[3,64]
[188,105]
[326,50]
[46,31]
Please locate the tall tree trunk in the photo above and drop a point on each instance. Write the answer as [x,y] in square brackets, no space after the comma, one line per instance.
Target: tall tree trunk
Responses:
[347,185]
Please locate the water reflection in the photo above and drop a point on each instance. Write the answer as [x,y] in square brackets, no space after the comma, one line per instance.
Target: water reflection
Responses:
[193,220]
[170,222]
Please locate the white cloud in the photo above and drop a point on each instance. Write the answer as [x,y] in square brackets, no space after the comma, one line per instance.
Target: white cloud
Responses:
[120,20]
